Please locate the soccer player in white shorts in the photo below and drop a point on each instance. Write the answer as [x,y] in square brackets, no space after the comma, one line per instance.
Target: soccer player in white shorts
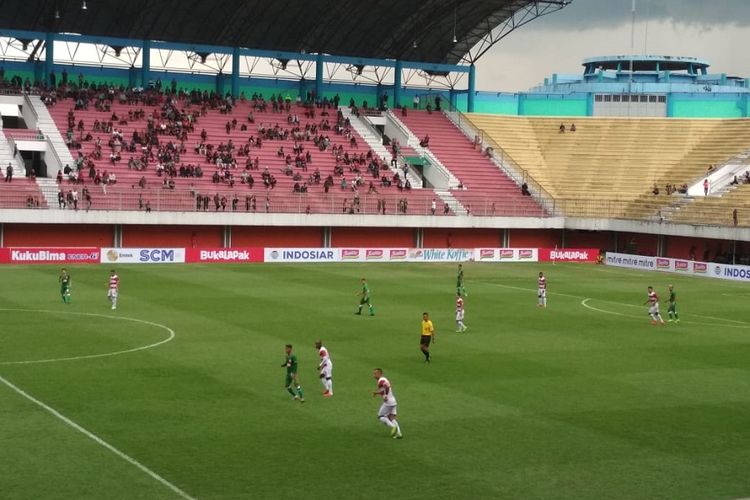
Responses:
[114,286]
[542,290]
[388,409]
[460,326]
[326,369]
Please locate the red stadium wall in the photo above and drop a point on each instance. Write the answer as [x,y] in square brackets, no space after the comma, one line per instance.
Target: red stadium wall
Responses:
[369,237]
[589,239]
[277,236]
[679,247]
[172,236]
[57,235]
[636,243]
[542,238]
[462,238]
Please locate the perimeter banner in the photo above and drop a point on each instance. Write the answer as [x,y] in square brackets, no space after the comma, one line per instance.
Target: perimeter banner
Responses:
[143,256]
[679,266]
[49,255]
[223,255]
[568,254]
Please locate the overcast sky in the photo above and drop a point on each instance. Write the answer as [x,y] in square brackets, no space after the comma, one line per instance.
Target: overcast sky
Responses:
[716,30]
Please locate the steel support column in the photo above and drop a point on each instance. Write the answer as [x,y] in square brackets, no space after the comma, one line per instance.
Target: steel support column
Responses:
[236,72]
[397,85]
[146,63]
[49,57]
[472,89]
[319,77]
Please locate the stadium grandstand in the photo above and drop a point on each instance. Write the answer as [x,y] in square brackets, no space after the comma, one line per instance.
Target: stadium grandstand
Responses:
[110,118]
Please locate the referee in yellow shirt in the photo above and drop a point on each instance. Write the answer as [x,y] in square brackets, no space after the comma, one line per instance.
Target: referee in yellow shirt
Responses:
[428,336]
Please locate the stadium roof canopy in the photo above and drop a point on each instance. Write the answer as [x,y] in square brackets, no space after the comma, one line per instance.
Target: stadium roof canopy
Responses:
[412,30]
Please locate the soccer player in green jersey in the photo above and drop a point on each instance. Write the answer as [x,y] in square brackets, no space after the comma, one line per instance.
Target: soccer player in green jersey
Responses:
[364,298]
[672,311]
[460,289]
[292,380]
[64,280]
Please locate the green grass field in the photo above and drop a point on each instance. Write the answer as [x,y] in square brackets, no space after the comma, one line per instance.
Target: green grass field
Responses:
[569,402]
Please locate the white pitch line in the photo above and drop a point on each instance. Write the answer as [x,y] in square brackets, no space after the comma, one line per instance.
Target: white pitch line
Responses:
[91,356]
[96,439]
[584,303]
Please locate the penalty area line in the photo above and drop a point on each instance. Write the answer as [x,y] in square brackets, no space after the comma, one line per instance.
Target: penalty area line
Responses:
[95,438]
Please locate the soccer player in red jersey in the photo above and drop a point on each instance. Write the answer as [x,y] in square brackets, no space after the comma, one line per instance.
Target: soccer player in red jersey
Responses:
[114,288]
[326,369]
[388,409]
[542,290]
[460,327]
[653,310]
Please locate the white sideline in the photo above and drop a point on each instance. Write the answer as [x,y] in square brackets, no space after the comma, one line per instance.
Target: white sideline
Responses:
[96,439]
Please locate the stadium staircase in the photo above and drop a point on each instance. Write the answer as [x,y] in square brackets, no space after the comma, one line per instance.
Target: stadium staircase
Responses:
[487,189]
[609,166]
[126,194]
[49,189]
[15,194]
[412,143]
[6,156]
[375,141]
[46,124]
[716,210]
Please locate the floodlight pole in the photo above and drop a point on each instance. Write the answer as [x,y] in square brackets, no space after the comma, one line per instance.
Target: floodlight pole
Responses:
[632,51]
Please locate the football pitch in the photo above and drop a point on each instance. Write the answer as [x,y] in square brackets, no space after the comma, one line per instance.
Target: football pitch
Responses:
[179,393]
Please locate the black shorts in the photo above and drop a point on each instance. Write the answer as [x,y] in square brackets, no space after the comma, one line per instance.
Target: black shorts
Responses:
[425,339]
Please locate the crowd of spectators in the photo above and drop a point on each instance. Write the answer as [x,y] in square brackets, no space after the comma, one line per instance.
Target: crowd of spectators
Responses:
[161,120]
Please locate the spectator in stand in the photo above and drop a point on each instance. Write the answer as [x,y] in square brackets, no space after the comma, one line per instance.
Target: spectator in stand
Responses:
[433,206]
[572,127]
[705,187]
[525,189]
[425,142]
[655,190]
[446,209]
[415,102]
[60,199]
[562,128]
[734,217]
[9,173]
